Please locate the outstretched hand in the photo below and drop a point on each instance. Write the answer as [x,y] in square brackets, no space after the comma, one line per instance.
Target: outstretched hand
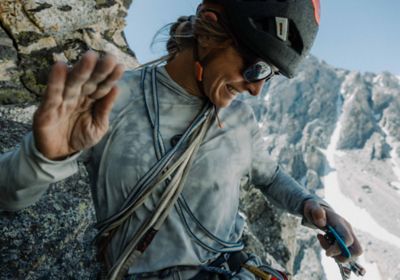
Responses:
[321,216]
[73,114]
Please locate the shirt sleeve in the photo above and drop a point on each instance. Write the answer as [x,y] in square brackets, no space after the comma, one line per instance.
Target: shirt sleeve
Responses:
[25,174]
[280,188]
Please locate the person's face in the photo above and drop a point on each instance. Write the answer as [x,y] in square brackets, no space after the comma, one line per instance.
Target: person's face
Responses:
[223,78]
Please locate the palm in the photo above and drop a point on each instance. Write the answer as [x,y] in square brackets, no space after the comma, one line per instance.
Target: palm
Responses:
[74,112]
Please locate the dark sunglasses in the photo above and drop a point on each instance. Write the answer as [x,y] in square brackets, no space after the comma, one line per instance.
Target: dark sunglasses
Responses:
[255,69]
[258,71]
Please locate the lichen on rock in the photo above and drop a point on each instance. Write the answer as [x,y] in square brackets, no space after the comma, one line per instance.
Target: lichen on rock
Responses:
[33,34]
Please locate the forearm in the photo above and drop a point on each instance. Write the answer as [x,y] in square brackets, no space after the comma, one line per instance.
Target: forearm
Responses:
[287,193]
[25,175]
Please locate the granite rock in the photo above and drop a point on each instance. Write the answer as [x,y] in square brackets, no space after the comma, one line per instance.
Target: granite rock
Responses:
[35,34]
[51,239]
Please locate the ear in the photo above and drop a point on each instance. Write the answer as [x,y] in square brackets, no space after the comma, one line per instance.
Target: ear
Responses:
[210,12]
[210,16]
[204,11]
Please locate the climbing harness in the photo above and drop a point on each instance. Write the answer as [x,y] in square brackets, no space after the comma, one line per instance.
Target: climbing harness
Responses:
[265,272]
[345,269]
[229,265]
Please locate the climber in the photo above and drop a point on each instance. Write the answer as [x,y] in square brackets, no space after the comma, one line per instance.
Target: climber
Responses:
[167,145]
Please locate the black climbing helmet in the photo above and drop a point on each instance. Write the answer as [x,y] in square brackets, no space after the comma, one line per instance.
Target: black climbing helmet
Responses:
[278,31]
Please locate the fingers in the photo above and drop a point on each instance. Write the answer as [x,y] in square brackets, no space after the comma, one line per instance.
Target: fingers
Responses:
[321,217]
[332,250]
[356,248]
[79,74]
[103,107]
[53,94]
[103,69]
[353,245]
[105,87]
[344,229]
[324,243]
[93,77]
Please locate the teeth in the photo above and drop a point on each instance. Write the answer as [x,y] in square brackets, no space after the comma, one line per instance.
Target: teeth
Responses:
[232,90]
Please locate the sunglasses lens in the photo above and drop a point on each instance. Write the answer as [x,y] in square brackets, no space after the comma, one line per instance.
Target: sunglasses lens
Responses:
[257,71]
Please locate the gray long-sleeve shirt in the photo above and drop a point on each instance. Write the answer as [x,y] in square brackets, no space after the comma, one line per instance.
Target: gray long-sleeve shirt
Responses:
[126,153]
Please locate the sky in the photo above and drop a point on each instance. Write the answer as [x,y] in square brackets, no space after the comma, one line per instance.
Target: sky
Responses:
[362,35]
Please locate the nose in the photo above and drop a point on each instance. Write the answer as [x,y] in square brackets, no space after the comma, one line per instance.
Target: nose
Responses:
[255,88]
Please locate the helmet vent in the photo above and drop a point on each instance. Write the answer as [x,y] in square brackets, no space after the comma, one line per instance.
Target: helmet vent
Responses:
[282,26]
[291,35]
[295,39]
[263,24]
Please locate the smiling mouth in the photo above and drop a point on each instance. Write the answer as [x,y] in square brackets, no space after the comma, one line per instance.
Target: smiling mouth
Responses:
[232,91]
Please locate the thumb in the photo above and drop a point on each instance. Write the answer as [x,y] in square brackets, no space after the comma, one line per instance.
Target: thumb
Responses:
[315,213]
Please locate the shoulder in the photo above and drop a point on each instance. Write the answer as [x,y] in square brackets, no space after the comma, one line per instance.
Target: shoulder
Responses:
[129,87]
[130,83]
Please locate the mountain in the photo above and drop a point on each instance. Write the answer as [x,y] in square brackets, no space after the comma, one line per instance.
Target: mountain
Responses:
[298,118]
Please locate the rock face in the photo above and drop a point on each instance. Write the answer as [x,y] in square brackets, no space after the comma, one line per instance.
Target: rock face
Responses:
[53,237]
[11,88]
[35,34]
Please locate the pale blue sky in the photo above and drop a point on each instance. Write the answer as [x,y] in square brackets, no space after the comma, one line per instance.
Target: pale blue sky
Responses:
[359,35]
